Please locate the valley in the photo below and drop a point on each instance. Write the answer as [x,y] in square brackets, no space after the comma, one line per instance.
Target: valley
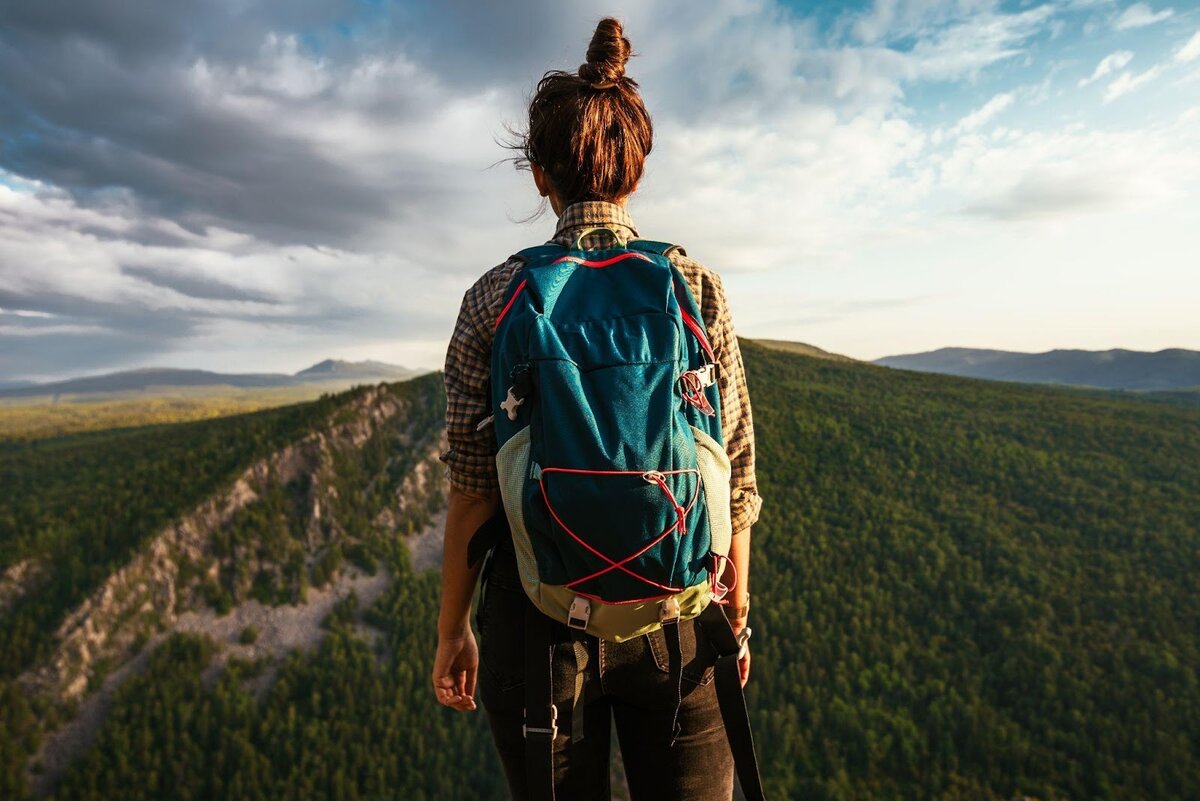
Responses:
[962,590]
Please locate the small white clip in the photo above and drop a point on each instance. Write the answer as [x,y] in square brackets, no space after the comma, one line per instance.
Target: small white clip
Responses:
[707,374]
[485,422]
[581,610]
[527,730]
[511,403]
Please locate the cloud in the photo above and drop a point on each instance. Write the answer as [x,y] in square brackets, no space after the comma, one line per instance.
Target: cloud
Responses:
[196,286]
[1140,15]
[1128,82]
[1109,64]
[1190,51]
[285,181]
[1051,175]
[980,116]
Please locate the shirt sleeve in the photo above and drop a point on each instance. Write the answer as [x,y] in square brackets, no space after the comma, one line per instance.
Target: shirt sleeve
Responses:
[471,456]
[737,421]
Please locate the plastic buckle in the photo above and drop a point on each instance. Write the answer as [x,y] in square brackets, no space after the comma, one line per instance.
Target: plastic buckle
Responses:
[668,612]
[510,404]
[552,731]
[581,610]
[707,374]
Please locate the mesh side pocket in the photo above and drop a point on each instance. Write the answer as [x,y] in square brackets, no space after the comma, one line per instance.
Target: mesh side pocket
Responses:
[714,474]
[512,467]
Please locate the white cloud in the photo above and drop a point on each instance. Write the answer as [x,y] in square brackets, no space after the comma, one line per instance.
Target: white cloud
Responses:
[1128,82]
[1140,15]
[1110,63]
[1190,51]
[778,149]
[977,118]
[1044,175]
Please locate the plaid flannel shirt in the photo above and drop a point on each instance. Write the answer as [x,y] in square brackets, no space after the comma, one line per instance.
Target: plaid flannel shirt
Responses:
[470,459]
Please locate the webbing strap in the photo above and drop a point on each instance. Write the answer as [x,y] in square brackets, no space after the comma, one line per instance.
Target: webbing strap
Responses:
[674,670]
[541,723]
[579,646]
[732,700]
[651,246]
[539,252]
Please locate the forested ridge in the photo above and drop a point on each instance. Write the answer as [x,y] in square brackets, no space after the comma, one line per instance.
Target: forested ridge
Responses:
[82,503]
[961,590]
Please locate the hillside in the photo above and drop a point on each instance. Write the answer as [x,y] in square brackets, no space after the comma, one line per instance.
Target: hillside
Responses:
[962,590]
[1171,369]
[800,348]
[250,509]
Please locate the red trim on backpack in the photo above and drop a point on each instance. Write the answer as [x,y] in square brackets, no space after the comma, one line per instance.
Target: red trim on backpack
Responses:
[508,305]
[694,326]
[605,262]
[680,523]
[698,330]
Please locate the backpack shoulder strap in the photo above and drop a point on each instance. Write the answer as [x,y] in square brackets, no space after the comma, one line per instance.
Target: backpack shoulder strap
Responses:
[539,252]
[657,248]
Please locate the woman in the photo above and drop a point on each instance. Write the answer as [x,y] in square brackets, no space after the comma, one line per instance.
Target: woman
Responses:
[586,145]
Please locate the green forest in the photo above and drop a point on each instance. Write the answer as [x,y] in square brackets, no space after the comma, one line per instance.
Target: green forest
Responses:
[84,502]
[962,590]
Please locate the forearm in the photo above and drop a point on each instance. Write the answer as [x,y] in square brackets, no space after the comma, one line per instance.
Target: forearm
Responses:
[465,515]
[739,557]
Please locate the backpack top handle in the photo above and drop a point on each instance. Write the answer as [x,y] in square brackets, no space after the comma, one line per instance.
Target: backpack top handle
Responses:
[579,239]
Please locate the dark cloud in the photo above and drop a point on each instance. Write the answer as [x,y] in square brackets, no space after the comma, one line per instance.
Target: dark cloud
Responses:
[196,286]
[118,317]
[106,95]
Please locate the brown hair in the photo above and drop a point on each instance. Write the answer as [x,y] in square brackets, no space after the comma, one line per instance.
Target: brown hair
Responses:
[588,130]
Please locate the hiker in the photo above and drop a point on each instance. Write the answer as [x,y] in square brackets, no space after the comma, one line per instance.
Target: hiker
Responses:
[601,469]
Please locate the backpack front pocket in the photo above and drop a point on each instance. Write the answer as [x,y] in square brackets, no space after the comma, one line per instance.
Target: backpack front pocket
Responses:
[623,533]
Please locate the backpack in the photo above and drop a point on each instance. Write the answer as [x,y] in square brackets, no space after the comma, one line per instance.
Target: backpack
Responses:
[613,472]
[612,469]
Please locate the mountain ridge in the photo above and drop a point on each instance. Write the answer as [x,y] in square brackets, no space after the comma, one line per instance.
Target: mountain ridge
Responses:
[147,378]
[1116,368]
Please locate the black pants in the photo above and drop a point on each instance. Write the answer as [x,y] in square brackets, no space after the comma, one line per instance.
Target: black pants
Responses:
[626,682]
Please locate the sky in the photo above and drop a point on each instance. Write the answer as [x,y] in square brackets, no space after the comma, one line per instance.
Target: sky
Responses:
[247,186]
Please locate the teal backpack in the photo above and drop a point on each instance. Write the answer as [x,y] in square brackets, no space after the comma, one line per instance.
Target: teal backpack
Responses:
[612,469]
[607,417]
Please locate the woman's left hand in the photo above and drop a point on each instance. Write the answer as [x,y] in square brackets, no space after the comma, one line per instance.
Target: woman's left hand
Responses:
[455,668]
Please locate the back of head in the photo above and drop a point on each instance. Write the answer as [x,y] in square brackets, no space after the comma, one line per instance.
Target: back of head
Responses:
[588,130]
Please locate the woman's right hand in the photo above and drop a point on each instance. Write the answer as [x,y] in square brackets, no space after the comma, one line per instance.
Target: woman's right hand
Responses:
[455,668]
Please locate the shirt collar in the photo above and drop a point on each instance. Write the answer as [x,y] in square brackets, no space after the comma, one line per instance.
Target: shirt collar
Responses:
[593,214]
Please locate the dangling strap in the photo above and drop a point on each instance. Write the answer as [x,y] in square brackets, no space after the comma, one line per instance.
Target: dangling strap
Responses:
[579,646]
[541,716]
[674,670]
[732,700]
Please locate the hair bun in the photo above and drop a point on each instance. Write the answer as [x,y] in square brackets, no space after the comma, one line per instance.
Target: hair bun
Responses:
[606,56]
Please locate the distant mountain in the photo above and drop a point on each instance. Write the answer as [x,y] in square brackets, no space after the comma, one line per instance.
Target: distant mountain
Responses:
[338,369]
[332,371]
[1170,369]
[802,348]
